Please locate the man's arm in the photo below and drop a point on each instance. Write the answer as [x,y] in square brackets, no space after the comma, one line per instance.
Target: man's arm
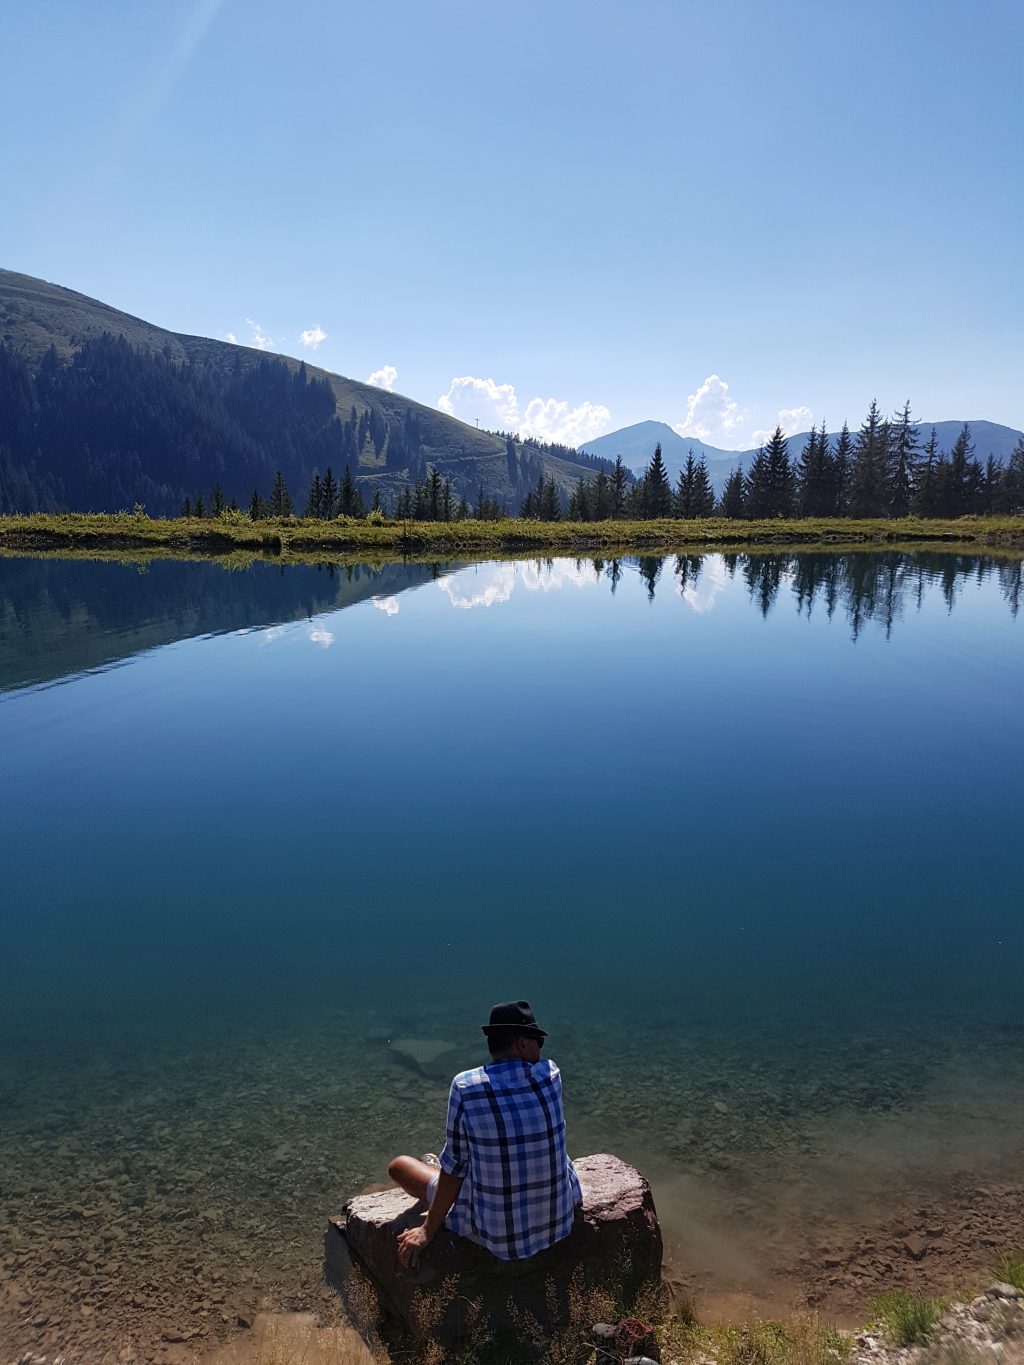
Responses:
[413,1240]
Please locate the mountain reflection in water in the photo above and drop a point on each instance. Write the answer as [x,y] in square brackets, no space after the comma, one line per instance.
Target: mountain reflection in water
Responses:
[63,617]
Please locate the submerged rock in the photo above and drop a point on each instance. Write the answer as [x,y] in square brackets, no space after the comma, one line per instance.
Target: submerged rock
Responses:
[430,1056]
[458,1287]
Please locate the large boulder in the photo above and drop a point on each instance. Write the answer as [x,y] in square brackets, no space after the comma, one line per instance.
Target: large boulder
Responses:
[459,1289]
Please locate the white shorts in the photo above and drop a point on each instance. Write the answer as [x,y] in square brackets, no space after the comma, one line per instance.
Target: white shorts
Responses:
[432,1188]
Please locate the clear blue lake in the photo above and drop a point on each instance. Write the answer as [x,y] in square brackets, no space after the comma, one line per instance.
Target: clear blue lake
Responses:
[745,829]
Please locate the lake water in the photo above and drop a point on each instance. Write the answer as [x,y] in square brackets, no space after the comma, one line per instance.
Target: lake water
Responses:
[745,829]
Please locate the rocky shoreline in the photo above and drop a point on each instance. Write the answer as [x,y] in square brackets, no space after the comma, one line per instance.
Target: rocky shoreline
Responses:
[986,1328]
[151,1206]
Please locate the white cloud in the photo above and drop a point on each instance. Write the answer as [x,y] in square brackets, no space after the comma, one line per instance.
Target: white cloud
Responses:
[388,605]
[384,378]
[711,415]
[230,336]
[468,397]
[319,636]
[714,416]
[550,420]
[791,420]
[712,581]
[258,338]
[505,578]
[497,408]
[499,589]
[313,336]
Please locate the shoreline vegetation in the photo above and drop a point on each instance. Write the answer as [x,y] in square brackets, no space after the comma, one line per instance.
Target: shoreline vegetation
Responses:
[901,1328]
[306,538]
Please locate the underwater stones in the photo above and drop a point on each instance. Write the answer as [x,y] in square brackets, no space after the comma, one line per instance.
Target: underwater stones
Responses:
[616,1227]
[429,1056]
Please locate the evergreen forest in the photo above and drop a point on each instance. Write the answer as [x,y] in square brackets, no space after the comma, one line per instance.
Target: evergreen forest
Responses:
[115,426]
[882,471]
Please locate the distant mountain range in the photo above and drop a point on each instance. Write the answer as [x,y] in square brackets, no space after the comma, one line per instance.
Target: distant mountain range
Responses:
[100,410]
[636,446]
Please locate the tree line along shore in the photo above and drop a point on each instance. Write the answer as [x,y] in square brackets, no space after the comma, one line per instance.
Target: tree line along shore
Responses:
[882,472]
[233,530]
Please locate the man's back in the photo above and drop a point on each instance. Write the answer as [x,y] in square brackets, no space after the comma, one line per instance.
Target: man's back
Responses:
[506,1137]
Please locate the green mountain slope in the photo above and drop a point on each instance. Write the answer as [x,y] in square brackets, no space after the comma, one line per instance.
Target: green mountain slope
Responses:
[203,411]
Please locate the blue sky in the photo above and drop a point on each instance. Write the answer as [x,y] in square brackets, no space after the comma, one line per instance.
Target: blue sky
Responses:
[590,213]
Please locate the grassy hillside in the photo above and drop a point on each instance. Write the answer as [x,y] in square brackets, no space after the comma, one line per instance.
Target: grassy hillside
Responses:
[36,316]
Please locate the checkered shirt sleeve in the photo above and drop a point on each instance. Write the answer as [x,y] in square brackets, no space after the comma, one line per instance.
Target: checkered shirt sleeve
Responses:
[505,1136]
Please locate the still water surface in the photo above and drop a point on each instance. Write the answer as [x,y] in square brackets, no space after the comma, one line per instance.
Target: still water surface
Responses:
[745,830]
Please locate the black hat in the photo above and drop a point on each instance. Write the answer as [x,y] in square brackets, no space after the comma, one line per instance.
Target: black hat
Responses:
[514,1014]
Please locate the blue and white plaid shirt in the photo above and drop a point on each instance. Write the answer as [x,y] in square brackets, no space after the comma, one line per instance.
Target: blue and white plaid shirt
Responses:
[506,1138]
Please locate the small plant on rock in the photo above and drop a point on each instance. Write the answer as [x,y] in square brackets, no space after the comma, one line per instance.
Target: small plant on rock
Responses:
[1011,1269]
[907,1319]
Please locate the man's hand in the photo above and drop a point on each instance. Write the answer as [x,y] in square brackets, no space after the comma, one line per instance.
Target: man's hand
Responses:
[410,1243]
[413,1240]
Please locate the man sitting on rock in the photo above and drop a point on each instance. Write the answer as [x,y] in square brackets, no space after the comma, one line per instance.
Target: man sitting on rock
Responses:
[505,1180]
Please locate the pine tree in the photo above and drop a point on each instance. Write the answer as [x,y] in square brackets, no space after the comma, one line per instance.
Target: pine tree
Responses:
[255,506]
[685,487]
[315,498]
[868,491]
[350,500]
[658,492]
[620,482]
[216,501]
[434,494]
[186,508]
[991,488]
[816,477]
[965,476]
[926,497]
[770,483]
[756,486]
[733,503]
[781,481]
[550,508]
[842,465]
[807,478]
[1011,496]
[703,492]
[901,462]
[280,501]
[602,496]
[533,503]
[579,501]
[329,496]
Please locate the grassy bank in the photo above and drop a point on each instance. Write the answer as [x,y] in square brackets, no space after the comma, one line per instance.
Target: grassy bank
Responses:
[298,538]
